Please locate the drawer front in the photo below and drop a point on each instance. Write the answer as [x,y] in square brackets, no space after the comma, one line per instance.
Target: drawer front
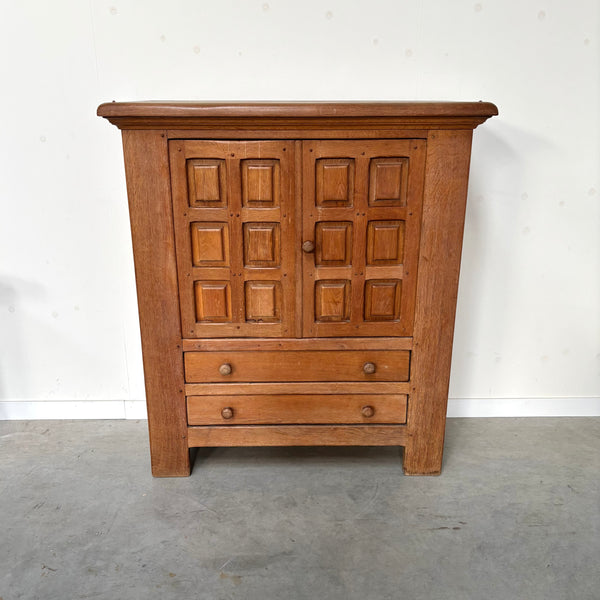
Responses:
[296,409]
[296,365]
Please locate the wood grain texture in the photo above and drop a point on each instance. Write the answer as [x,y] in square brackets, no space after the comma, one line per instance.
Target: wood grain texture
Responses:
[364,220]
[297,109]
[297,435]
[234,231]
[294,365]
[466,115]
[321,132]
[148,189]
[372,343]
[296,409]
[303,387]
[444,203]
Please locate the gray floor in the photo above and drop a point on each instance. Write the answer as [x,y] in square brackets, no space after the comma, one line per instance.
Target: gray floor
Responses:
[515,515]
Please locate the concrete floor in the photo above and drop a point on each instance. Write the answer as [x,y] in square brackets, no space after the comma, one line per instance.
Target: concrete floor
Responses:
[515,515]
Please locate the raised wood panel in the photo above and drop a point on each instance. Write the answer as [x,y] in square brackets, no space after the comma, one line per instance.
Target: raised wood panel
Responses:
[388,181]
[263,301]
[332,300]
[297,435]
[296,409]
[206,183]
[260,183]
[335,182]
[213,301]
[262,244]
[333,243]
[382,300]
[210,244]
[293,365]
[385,243]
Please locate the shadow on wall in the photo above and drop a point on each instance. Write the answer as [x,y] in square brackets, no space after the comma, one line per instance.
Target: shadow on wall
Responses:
[490,264]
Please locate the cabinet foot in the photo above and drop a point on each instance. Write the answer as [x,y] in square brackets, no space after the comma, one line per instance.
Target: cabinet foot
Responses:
[416,462]
[171,464]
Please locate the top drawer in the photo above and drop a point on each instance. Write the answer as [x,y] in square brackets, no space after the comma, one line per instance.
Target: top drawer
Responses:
[297,365]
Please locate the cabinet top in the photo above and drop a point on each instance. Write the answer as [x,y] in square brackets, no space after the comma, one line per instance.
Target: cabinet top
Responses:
[186,115]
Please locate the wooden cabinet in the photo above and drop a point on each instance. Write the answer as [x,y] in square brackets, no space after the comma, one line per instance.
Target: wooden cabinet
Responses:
[297,270]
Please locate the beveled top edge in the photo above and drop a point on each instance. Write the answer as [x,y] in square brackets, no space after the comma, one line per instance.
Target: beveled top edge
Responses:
[296,109]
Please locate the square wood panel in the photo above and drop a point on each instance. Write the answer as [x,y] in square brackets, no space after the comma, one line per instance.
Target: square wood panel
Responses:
[260,183]
[210,244]
[388,181]
[262,245]
[213,301]
[263,301]
[382,299]
[334,182]
[332,300]
[206,183]
[333,243]
[385,242]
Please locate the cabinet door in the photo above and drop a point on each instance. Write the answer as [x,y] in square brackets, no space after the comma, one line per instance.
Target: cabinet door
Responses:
[234,214]
[361,225]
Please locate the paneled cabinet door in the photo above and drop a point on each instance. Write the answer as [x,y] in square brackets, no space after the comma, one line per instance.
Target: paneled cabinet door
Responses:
[361,226]
[234,215]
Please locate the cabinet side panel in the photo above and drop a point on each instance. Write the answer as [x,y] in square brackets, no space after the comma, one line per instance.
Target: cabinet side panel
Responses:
[444,202]
[148,188]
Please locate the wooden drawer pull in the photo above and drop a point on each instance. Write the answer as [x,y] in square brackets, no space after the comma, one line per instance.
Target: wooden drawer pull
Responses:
[367,411]
[227,412]
[225,369]
[369,368]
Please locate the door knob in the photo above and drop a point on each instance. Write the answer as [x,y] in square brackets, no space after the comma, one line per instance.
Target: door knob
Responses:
[308,246]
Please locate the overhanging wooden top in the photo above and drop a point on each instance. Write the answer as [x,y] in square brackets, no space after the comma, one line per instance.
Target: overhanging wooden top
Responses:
[190,115]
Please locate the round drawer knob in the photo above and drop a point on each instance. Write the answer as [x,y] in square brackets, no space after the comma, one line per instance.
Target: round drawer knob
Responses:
[227,412]
[367,411]
[369,368]
[225,369]
[308,246]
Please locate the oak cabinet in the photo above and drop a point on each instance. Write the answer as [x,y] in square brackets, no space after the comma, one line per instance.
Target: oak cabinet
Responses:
[297,270]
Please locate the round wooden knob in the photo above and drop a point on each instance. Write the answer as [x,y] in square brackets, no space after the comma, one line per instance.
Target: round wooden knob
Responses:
[369,368]
[308,246]
[225,369]
[227,412]
[367,411]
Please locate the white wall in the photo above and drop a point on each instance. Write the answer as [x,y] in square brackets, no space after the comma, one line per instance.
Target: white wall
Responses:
[528,327]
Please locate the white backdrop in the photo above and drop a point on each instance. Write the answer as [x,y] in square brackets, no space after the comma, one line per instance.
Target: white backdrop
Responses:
[528,326]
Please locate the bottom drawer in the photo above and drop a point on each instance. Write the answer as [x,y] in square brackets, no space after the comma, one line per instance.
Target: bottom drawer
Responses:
[296,409]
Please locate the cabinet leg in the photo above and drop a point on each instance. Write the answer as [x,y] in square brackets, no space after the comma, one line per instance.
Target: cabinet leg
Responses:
[170,462]
[169,452]
[424,458]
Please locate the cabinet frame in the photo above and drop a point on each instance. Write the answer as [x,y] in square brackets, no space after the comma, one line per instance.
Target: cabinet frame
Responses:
[447,131]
